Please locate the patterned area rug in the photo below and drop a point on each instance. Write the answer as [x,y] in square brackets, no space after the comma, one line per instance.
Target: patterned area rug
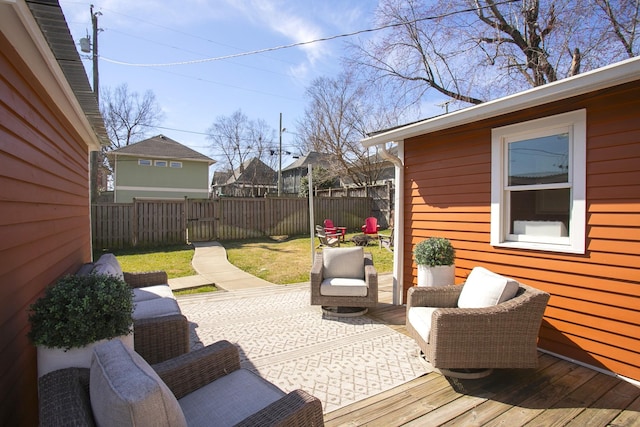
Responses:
[288,342]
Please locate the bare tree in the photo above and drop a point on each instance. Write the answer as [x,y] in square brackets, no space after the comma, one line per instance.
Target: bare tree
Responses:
[622,18]
[127,118]
[236,139]
[475,50]
[127,115]
[339,114]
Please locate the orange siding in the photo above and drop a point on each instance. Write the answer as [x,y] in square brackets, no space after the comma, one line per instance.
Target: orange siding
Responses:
[44,221]
[594,312]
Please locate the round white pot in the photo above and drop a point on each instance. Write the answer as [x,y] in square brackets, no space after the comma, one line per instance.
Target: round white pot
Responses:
[51,359]
[441,275]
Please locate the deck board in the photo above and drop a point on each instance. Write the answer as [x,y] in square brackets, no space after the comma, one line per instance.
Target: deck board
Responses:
[557,393]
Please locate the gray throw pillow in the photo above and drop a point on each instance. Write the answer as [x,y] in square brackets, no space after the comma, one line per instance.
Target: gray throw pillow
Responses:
[126,391]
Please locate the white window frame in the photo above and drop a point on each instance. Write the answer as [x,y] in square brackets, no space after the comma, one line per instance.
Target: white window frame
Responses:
[176,165]
[575,123]
[145,162]
[161,163]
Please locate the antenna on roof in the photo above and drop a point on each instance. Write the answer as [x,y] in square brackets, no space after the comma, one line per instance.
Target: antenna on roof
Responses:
[445,105]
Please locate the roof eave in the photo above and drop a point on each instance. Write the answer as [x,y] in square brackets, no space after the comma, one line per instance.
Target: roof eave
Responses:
[25,33]
[601,78]
[156,156]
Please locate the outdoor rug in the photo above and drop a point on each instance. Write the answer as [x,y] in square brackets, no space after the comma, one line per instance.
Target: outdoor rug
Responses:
[290,343]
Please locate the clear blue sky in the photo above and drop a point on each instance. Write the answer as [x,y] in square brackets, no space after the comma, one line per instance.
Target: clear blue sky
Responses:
[193,95]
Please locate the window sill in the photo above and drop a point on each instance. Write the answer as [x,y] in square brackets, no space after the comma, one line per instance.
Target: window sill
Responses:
[546,247]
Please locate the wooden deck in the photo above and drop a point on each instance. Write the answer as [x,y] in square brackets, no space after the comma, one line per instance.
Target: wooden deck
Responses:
[557,393]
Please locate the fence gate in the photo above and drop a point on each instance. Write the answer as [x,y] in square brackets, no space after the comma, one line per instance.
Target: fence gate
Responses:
[158,222]
[201,220]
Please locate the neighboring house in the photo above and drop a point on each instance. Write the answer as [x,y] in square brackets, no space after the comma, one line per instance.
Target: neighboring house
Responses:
[253,178]
[293,174]
[381,170]
[159,168]
[543,186]
[49,123]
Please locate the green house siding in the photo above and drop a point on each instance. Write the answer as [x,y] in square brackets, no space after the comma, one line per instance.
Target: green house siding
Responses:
[133,180]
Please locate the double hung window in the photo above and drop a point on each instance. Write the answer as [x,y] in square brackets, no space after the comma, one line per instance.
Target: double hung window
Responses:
[538,184]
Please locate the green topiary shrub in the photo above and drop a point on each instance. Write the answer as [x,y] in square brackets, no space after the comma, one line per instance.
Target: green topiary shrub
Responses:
[434,251]
[79,310]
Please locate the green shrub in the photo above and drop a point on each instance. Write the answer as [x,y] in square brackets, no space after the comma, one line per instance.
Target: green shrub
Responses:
[79,310]
[434,251]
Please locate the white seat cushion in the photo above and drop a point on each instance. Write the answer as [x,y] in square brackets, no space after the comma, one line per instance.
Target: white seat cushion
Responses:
[152,292]
[155,308]
[340,287]
[126,391]
[229,399]
[484,288]
[108,265]
[343,262]
[420,319]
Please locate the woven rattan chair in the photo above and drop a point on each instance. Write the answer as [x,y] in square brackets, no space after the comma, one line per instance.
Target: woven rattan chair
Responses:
[458,340]
[212,372]
[343,279]
[158,338]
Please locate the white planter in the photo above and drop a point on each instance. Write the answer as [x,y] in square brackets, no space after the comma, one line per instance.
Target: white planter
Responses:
[441,275]
[51,359]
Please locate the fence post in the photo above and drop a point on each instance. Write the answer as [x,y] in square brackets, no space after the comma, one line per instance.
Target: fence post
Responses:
[134,230]
[185,220]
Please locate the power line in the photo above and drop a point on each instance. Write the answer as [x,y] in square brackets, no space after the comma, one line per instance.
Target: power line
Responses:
[290,147]
[297,44]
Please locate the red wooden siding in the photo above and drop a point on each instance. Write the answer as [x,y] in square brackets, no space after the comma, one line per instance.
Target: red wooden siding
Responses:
[44,221]
[594,312]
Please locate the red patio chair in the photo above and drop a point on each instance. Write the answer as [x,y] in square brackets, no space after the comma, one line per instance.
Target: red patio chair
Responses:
[329,228]
[370,226]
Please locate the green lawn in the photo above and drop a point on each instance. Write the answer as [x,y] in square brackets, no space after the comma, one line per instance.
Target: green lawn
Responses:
[288,260]
[278,260]
[175,260]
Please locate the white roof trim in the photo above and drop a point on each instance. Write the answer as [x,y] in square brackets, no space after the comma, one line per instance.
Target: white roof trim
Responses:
[601,78]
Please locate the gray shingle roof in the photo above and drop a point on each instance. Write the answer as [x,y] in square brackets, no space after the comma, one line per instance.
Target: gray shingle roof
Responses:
[163,147]
[315,158]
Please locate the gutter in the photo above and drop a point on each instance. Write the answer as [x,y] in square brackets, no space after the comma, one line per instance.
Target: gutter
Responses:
[398,219]
[615,74]
[601,78]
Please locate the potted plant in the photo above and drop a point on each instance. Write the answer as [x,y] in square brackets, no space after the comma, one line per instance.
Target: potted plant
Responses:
[76,313]
[435,258]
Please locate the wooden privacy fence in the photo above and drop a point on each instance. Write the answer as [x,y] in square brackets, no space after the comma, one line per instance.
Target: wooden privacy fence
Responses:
[381,195]
[165,222]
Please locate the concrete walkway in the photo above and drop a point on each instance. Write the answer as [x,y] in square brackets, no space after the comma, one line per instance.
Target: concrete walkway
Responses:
[211,264]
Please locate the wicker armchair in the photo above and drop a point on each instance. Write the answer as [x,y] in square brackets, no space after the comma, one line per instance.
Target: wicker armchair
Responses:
[160,334]
[162,337]
[358,266]
[65,399]
[499,336]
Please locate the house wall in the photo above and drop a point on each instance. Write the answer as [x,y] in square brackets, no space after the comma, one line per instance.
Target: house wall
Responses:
[44,220]
[594,312]
[133,180]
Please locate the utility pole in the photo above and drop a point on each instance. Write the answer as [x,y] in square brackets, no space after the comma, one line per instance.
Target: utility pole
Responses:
[280,130]
[94,23]
[85,46]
